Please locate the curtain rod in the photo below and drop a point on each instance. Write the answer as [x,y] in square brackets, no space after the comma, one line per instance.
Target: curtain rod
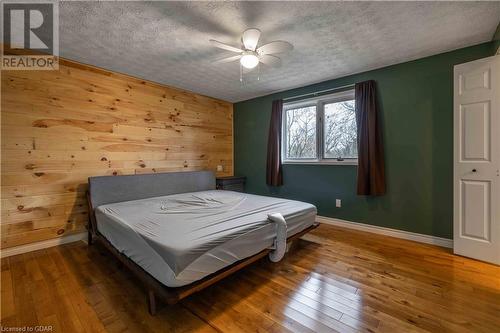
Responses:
[316,93]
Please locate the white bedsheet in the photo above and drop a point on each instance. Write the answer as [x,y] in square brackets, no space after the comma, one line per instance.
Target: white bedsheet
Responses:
[182,238]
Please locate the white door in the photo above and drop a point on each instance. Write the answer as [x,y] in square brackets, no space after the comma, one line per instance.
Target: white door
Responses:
[476,226]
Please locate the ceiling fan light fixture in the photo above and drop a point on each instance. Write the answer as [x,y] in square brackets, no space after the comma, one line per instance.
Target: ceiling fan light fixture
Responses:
[249,60]
[250,54]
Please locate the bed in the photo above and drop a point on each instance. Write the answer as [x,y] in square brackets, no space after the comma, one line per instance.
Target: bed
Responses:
[178,234]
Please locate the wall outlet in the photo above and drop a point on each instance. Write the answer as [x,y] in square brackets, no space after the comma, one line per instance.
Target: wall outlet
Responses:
[220,168]
[338,203]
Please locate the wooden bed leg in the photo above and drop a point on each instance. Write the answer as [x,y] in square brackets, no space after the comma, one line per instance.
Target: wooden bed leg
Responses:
[151,302]
[89,237]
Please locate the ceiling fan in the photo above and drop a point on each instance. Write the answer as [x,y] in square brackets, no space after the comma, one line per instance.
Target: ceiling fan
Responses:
[249,54]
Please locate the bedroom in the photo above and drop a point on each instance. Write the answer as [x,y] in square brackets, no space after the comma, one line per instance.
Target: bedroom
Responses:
[250,166]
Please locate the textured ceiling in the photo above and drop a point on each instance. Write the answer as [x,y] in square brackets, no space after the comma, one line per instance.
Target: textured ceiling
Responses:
[167,42]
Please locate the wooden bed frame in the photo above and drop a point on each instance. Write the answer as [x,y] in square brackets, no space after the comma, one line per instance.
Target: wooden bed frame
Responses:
[156,289]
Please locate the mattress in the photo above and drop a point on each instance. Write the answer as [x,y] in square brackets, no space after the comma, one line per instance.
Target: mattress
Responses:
[181,238]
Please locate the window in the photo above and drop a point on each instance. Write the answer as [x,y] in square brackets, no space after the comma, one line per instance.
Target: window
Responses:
[339,140]
[301,133]
[321,130]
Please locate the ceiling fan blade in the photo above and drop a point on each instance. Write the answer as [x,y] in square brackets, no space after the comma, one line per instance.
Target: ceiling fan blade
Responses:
[270,60]
[278,46]
[250,38]
[223,46]
[228,59]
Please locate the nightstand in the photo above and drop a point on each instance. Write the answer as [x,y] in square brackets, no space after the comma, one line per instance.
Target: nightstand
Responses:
[232,183]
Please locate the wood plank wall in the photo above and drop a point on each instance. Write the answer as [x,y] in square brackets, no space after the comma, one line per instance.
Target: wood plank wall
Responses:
[60,127]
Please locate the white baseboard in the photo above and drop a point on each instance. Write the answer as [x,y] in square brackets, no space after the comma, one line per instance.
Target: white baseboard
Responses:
[444,242]
[11,251]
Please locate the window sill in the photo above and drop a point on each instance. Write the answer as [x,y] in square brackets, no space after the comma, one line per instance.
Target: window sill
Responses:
[322,162]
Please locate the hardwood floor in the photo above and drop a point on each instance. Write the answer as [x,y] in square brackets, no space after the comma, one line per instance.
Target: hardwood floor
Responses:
[333,280]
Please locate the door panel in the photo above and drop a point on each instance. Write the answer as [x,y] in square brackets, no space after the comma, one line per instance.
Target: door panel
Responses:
[475,218]
[474,80]
[475,124]
[476,226]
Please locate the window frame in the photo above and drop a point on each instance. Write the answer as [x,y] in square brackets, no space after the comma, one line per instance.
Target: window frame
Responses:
[320,103]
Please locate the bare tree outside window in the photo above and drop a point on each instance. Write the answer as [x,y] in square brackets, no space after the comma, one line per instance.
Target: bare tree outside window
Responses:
[301,132]
[340,130]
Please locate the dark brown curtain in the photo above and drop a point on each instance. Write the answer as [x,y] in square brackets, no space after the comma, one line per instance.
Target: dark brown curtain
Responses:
[371,173]
[274,174]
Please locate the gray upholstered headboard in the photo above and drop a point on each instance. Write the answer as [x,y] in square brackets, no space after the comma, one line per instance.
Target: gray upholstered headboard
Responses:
[110,189]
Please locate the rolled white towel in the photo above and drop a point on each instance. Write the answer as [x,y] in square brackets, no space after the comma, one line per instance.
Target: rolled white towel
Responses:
[279,248]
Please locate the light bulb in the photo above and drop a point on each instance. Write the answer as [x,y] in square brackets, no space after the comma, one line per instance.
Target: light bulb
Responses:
[249,61]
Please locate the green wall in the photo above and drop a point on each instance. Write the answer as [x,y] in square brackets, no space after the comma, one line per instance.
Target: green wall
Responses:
[416,100]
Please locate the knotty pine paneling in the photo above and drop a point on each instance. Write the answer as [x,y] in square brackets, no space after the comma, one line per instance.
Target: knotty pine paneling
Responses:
[60,127]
